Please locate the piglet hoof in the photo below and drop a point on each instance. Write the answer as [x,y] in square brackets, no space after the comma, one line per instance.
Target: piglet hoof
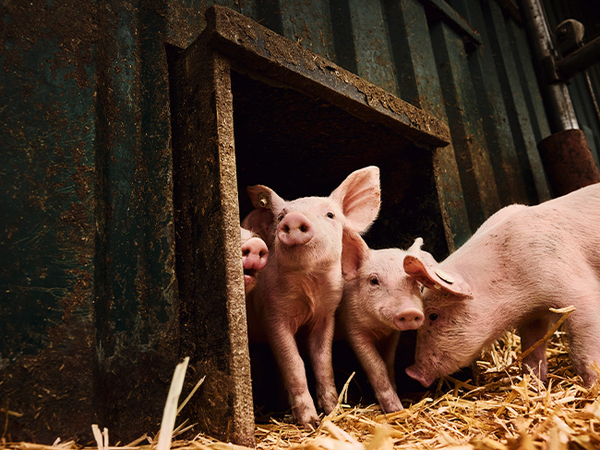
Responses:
[306,416]
[328,401]
[391,405]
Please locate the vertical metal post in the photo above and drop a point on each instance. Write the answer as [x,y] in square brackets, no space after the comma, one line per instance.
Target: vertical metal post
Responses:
[560,109]
[566,156]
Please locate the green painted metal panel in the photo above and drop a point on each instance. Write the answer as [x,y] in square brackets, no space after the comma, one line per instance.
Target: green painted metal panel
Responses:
[308,19]
[47,237]
[136,299]
[373,57]
[477,177]
[514,98]
[419,84]
[88,304]
[492,111]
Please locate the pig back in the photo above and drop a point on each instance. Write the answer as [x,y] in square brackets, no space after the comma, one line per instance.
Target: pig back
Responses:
[574,219]
[541,246]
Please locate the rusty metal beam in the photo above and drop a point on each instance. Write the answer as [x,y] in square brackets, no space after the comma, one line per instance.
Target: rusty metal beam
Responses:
[245,41]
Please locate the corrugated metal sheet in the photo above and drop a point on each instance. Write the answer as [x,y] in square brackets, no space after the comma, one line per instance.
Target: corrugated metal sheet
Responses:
[89,318]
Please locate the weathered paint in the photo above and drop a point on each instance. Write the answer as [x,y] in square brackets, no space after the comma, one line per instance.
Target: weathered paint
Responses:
[47,241]
[494,118]
[212,302]
[136,302]
[420,85]
[87,276]
[515,95]
[477,178]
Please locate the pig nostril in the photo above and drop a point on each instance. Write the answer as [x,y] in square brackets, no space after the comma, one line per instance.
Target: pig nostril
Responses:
[286,229]
[303,228]
[245,252]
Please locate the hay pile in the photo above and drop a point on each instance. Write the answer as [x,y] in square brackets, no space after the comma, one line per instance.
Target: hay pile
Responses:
[501,409]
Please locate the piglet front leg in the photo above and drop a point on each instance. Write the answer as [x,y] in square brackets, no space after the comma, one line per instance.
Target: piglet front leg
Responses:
[320,349]
[377,371]
[285,350]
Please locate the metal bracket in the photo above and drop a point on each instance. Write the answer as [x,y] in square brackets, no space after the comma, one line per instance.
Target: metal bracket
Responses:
[576,56]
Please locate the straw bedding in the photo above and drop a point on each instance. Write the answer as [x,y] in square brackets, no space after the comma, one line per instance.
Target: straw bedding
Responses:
[499,409]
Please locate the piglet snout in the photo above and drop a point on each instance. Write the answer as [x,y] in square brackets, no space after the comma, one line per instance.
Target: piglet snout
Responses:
[295,229]
[254,254]
[409,319]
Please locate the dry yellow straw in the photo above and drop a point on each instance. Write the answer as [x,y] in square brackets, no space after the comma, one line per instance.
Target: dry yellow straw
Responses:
[170,411]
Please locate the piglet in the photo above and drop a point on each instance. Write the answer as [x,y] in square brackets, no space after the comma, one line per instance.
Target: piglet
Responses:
[254,257]
[521,262]
[379,302]
[301,287]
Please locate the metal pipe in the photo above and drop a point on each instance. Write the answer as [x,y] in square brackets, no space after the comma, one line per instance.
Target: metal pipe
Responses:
[579,60]
[561,113]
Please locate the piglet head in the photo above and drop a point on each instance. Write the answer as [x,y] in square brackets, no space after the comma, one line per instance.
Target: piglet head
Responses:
[308,231]
[377,284]
[450,337]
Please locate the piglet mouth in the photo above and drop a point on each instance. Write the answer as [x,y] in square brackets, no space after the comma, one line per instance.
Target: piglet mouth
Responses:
[250,275]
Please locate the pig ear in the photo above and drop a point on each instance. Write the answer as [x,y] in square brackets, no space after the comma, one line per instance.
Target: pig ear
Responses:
[424,268]
[354,252]
[359,195]
[260,220]
[415,248]
[263,197]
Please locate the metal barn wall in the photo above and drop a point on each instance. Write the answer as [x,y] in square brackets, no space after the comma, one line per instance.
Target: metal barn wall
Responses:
[89,313]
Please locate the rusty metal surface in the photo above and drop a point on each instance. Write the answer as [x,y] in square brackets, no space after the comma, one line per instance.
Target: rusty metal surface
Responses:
[568,161]
[209,270]
[47,235]
[88,307]
[240,38]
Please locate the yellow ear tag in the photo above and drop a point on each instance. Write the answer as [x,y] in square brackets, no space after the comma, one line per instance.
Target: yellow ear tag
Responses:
[444,276]
[263,200]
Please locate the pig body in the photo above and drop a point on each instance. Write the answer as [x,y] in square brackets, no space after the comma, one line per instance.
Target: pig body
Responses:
[301,287]
[379,302]
[521,262]
[254,257]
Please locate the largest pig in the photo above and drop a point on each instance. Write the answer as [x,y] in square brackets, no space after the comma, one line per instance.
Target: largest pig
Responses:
[521,262]
[300,288]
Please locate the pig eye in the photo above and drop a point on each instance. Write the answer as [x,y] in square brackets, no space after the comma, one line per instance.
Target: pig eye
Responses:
[330,215]
[279,217]
[374,281]
[433,317]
